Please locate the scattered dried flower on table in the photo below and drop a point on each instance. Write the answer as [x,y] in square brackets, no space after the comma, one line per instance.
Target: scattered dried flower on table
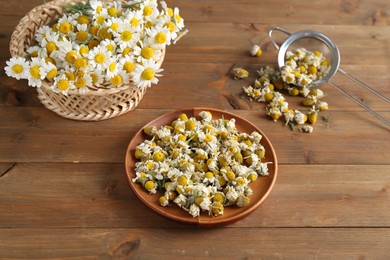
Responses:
[302,68]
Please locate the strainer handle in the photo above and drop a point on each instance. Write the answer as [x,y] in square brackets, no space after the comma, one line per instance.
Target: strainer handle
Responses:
[272,39]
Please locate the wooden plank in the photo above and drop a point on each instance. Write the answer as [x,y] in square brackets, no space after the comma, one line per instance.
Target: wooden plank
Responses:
[348,137]
[209,84]
[54,195]
[252,11]
[228,243]
[357,44]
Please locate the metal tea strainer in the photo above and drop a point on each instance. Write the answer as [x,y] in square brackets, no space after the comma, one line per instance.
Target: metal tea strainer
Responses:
[315,40]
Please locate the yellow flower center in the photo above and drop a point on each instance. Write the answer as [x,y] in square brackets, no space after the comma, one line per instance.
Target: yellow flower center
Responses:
[93,43]
[112,67]
[55,27]
[147,52]
[80,63]
[178,18]
[160,38]
[34,54]
[50,47]
[82,36]
[50,60]
[105,34]
[34,72]
[100,58]
[208,138]
[110,47]
[126,36]
[70,75]
[148,24]
[82,19]
[148,10]
[112,11]
[147,74]
[93,29]
[100,19]
[114,27]
[84,50]
[80,73]
[134,22]
[99,9]
[126,51]
[63,84]
[52,73]
[80,83]
[171,26]
[170,11]
[128,66]
[17,68]
[116,80]
[65,27]
[71,56]
[94,78]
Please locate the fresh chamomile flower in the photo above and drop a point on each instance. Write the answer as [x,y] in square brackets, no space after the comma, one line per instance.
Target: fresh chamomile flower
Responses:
[82,82]
[127,63]
[35,51]
[99,57]
[149,9]
[169,24]
[62,84]
[35,75]
[159,36]
[50,42]
[126,36]
[109,45]
[97,77]
[178,19]
[112,68]
[145,51]
[66,24]
[49,70]
[66,52]
[41,33]
[82,34]
[119,78]
[145,75]
[114,24]
[97,7]
[17,67]
[135,19]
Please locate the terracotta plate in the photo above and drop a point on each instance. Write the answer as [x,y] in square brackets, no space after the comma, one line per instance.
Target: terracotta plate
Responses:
[261,187]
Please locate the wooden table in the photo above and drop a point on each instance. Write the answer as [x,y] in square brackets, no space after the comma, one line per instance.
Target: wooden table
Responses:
[67,196]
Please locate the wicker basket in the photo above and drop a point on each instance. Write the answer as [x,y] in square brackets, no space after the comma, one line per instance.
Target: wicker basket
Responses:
[98,103]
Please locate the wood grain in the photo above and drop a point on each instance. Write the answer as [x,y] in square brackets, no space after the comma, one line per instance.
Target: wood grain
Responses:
[98,195]
[255,243]
[66,195]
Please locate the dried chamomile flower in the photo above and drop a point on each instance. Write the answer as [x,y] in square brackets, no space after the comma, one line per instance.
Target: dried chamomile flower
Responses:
[200,164]
[240,73]
[304,67]
[267,87]
[306,129]
[256,51]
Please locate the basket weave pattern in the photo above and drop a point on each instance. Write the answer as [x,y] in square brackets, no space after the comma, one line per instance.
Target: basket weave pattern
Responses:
[98,103]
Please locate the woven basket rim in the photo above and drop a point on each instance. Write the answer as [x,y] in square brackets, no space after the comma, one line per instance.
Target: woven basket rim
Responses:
[32,17]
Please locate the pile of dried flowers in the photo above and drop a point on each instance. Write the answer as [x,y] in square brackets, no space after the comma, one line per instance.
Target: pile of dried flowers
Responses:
[200,165]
